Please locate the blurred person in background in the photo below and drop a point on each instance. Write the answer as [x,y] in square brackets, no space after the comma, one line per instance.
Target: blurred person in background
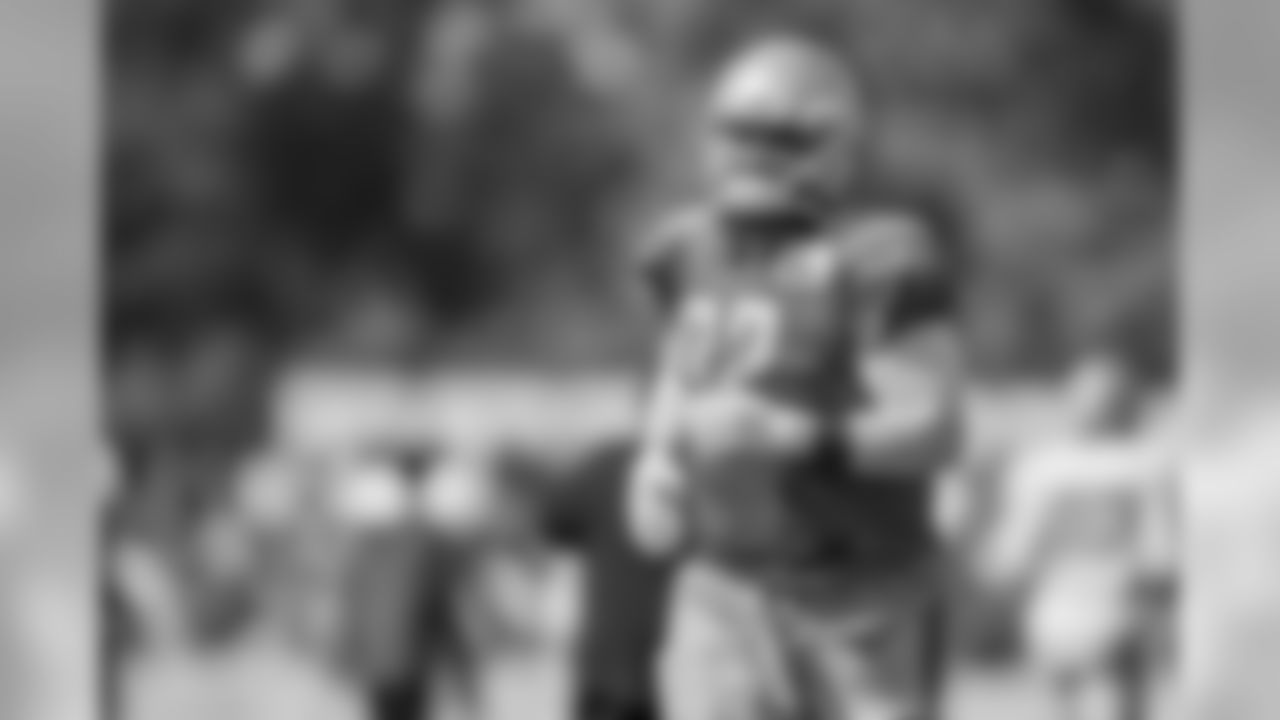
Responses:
[625,599]
[548,490]
[1087,536]
[511,495]
[808,399]
[466,509]
[352,573]
[184,409]
[401,636]
[184,412]
[449,613]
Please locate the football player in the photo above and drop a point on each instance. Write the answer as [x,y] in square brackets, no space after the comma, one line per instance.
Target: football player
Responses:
[1089,537]
[808,397]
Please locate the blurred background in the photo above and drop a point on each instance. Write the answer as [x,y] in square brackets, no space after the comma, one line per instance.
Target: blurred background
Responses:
[468,171]
[341,235]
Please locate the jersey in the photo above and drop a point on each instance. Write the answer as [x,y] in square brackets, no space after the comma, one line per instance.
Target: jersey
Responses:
[1086,502]
[789,316]
[1085,515]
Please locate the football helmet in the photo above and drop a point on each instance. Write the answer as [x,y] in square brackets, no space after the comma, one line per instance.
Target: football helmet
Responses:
[783,125]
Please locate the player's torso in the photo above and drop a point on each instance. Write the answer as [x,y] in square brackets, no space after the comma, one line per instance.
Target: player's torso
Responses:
[765,316]
[782,319]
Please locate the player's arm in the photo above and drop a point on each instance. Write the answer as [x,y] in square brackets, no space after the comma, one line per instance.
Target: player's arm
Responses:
[912,369]
[659,431]
[911,425]
[658,280]
[654,484]
[1011,548]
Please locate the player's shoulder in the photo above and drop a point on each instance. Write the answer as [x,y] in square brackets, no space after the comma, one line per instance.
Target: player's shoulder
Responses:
[914,221]
[676,233]
[888,242]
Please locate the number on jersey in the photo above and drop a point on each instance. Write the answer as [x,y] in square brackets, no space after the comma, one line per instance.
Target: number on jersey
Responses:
[727,341]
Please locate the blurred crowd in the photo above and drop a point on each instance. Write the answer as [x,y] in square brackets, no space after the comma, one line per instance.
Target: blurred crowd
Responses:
[411,551]
[371,369]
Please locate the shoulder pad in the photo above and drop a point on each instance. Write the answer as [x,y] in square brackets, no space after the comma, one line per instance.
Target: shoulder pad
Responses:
[888,244]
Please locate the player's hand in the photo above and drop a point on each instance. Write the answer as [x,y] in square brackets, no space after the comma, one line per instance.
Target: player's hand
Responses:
[654,504]
[724,424]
